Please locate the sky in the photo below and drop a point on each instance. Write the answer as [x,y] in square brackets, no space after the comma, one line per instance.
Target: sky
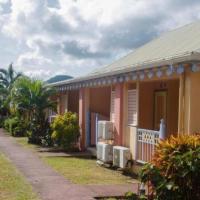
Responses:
[43,38]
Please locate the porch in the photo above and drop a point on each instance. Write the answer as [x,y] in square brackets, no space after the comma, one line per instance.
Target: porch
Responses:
[136,109]
[98,109]
[152,113]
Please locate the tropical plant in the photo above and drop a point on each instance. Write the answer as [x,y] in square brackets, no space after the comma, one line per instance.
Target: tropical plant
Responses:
[7,79]
[31,99]
[3,110]
[174,172]
[39,132]
[131,196]
[65,130]
[15,126]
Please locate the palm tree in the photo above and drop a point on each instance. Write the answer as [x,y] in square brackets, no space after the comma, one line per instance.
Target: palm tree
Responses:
[31,99]
[8,77]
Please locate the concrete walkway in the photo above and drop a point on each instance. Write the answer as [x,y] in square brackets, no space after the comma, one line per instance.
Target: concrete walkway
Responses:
[49,184]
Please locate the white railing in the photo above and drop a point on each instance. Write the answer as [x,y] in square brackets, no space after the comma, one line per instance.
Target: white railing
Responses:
[146,142]
[51,118]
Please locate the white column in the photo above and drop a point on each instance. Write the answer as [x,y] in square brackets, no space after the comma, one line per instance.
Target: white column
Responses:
[162,134]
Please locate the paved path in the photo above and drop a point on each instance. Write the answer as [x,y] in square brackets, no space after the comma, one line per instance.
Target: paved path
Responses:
[49,184]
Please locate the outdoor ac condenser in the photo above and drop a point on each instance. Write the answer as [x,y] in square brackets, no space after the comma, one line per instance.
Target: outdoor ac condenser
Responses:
[104,152]
[105,130]
[121,155]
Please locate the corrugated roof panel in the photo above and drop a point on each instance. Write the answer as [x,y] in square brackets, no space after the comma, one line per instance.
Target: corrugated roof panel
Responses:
[180,42]
[176,42]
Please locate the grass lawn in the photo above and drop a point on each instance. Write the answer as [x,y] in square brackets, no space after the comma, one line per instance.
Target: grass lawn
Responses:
[85,171]
[24,142]
[12,185]
[79,170]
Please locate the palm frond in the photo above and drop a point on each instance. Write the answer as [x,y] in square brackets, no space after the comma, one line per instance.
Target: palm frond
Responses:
[4,72]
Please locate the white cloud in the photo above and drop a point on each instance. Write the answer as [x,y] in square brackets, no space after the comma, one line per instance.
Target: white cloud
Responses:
[3,1]
[33,59]
[46,37]
[39,73]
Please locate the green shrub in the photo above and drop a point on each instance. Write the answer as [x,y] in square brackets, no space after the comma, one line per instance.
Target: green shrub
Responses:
[174,172]
[10,124]
[131,196]
[65,130]
[6,124]
[15,126]
[39,132]
[21,129]
[47,141]
[2,121]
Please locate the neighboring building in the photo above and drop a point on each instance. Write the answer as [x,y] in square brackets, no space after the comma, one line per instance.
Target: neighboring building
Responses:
[160,80]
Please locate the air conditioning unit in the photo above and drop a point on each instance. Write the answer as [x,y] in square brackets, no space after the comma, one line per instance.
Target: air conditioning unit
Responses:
[121,155]
[105,130]
[104,152]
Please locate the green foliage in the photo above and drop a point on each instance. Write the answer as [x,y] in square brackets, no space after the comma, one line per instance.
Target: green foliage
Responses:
[46,140]
[9,76]
[7,124]
[7,79]
[2,121]
[39,132]
[65,130]
[131,196]
[174,173]
[10,124]
[134,196]
[15,126]
[30,100]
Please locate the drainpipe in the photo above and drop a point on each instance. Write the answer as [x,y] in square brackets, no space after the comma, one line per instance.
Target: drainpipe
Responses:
[162,131]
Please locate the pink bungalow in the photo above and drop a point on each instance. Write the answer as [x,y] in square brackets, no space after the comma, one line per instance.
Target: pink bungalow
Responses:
[151,93]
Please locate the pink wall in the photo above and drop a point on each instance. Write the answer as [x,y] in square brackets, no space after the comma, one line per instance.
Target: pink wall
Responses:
[100,100]
[73,101]
[82,117]
[118,107]
[146,104]
[83,109]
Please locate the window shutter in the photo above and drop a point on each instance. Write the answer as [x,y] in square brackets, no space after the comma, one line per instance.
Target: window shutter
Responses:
[64,103]
[112,106]
[132,107]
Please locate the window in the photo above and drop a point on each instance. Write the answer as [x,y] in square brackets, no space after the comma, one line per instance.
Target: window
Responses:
[112,106]
[132,107]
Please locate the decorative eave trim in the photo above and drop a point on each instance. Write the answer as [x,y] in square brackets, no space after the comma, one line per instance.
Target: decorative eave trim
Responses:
[187,57]
[156,72]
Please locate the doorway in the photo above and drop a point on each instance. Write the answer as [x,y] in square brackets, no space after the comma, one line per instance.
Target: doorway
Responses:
[160,108]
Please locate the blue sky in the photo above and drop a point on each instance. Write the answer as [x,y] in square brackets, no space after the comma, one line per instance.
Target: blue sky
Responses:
[49,37]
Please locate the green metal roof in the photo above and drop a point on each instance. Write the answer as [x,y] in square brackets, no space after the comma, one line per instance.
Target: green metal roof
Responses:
[178,42]
[179,45]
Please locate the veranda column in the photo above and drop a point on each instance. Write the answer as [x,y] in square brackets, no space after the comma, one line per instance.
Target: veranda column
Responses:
[66,102]
[135,144]
[59,104]
[118,109]
[181,104]
[193,115]
[83,108]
